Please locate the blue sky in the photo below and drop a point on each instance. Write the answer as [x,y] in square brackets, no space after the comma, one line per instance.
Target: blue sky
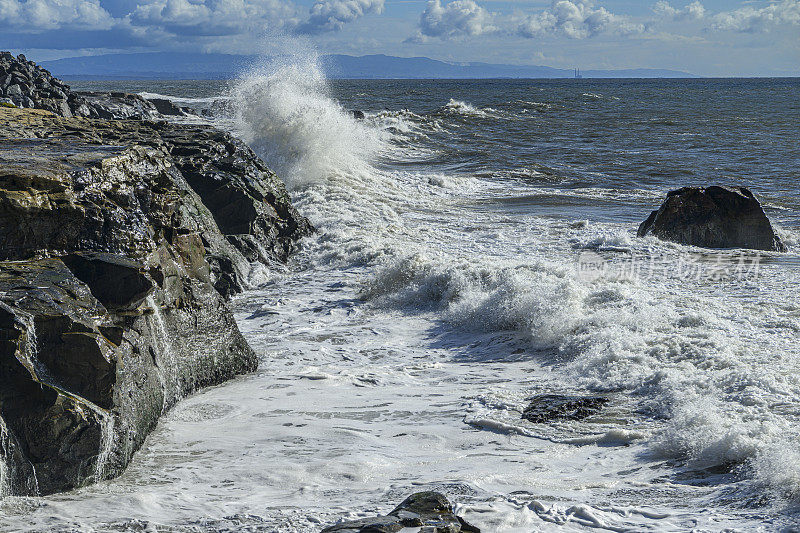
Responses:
[707,37]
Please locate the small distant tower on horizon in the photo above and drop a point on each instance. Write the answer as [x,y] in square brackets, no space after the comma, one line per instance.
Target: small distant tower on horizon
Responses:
[578,74]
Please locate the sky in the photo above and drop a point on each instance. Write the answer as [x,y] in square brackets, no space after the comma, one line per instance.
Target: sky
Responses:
[705,37]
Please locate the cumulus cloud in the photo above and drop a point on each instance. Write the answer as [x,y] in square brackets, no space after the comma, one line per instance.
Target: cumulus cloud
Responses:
[332,15]
[693,11]
[239,17]
[576,19]
[42,15]
[457,18]
[759,20]
[213,17]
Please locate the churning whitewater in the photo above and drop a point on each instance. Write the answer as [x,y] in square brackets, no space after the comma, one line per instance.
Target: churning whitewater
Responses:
[476,246]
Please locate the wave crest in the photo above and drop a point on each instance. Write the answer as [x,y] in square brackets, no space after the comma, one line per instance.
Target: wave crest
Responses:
[283,110]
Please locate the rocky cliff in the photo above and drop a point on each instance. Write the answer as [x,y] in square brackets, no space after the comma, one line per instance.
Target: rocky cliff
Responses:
[119,243]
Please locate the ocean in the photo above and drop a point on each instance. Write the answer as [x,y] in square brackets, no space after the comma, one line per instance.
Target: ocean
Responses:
[476,246]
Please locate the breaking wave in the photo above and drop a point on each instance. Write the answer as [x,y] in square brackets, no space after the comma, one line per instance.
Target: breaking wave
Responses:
[695,358]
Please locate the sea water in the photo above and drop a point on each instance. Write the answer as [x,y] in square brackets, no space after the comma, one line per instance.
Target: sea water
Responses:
[476,246]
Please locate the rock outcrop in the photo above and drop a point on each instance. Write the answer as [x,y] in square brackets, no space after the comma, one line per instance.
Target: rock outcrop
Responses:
[713,217]
[26,85]
[546,408]
[429,511]
[119,242]
[118,105]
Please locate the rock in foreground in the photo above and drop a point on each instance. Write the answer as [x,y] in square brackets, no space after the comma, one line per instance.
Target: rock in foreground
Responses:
[119,242]
[713,217]
[427,510]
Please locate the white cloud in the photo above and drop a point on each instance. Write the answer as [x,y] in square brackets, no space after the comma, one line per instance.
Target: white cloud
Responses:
[576,19]
[457,18]
[759,20]
[332,15]
[240,17]
[214,17]
[693,11]
[40,15]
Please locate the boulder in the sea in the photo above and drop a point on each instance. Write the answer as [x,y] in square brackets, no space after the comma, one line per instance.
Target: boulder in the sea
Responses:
[430,511]
[546,408]
[357,114]
[713,217]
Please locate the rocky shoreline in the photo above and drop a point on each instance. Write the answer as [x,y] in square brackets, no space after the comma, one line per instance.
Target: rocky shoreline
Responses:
[120,242]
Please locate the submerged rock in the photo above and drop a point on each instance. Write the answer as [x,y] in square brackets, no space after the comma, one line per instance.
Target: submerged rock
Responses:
[119,241]
[548,407]
[713,217]
[430,511]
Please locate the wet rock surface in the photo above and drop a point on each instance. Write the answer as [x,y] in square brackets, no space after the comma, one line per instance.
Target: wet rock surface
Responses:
[167,107]
[713,217]
[430,511]
[119,243]
[117,105]
[546,408]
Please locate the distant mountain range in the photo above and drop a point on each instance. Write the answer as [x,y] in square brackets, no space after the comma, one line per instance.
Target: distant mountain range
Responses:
[168,65]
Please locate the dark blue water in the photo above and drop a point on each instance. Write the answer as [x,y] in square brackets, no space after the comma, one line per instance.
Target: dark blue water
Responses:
[623,136]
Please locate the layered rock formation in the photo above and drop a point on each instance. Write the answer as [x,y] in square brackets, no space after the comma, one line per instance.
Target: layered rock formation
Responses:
[119,242]
[713,217]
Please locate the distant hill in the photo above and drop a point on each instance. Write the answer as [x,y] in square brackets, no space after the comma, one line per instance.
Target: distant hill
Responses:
[168,65]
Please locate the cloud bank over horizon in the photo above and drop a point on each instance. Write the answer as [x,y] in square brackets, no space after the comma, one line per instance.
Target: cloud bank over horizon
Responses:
[600,33]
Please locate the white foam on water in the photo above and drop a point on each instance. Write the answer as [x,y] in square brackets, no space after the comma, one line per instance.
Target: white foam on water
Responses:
[166,357]
[106,445]
[182,100]
[668,338]
[5,469]
[457,107]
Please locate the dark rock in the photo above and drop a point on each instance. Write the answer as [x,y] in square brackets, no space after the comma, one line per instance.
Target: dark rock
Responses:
[430,511]
[713,217]
[109,266]
[242,215]
[117,282]
[357,114]
[248,202]
[28,85]
[378,524]
[548,407]
[117,105]
[166,107]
